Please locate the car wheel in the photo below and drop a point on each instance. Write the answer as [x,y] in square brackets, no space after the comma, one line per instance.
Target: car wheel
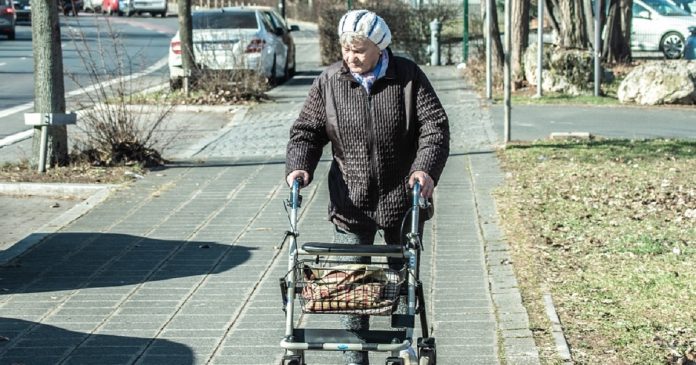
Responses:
[672,45]
[175,84]
[292,70]
[273,79]
[11,35]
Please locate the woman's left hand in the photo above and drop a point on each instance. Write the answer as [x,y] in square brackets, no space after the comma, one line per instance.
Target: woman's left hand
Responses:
[426,182]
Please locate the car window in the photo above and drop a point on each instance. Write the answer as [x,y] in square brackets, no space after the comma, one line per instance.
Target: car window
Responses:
[665,8]
[277,21]
[267,22]
[637,9]
[224,20]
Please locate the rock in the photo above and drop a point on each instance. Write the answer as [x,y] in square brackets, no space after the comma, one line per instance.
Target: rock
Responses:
[564,71]
[660,82]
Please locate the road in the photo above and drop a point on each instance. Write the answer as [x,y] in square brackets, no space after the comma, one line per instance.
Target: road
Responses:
[97,49]
[88,44]
[530,122]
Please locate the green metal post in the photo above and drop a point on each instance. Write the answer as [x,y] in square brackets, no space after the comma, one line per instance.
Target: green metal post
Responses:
[465,32]
[349,4]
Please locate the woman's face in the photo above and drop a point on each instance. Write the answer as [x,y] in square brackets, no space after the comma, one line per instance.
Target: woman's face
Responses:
[361,56]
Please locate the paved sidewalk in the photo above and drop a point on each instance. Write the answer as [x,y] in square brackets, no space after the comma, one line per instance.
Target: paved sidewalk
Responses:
[183,267]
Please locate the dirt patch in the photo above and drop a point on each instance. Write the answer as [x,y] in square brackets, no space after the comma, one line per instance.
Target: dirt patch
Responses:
[81,173]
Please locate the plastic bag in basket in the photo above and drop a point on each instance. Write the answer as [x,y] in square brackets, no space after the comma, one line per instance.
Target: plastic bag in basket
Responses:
[354,288]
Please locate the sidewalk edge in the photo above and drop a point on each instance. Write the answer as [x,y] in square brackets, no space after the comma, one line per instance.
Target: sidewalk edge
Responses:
[55,225]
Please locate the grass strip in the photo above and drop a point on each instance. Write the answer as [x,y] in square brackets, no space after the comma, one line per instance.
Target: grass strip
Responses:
[609,228]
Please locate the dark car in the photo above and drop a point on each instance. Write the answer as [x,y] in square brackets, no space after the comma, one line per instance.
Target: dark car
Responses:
[71,7]
[7,19]
[23,10]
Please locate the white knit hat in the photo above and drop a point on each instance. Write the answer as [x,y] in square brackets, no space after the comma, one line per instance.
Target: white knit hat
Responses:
[368,24]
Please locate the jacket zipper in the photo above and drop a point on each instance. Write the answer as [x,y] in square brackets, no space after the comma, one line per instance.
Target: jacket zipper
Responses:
[373,154]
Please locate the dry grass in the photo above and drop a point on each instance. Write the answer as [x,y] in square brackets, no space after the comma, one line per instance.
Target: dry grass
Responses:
[82,173]
[609,228]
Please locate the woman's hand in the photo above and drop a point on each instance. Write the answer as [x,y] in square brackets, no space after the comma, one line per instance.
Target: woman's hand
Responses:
[426,182]
[302,174]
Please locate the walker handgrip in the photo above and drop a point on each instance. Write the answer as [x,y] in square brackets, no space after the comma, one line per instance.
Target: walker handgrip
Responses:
[415,212]
[416,193]
[295,193]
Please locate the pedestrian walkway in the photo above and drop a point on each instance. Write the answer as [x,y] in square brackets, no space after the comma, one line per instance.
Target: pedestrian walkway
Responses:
[183,267]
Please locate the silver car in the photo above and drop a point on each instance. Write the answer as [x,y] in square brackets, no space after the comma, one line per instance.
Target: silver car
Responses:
[154,7]
[252,39]
[659,25]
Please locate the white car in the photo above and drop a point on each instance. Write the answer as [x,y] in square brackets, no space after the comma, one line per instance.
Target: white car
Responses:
[154,7]
[237,39]
[659,25]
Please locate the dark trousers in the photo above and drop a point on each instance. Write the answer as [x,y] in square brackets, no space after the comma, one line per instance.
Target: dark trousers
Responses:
[367,237]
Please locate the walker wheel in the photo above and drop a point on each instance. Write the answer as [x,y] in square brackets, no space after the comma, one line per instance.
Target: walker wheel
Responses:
[293,360]
[426,351]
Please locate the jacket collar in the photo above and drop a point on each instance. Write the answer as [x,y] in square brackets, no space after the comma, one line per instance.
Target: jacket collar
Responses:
[390,74]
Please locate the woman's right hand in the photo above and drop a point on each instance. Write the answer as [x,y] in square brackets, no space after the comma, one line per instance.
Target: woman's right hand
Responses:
[301,174]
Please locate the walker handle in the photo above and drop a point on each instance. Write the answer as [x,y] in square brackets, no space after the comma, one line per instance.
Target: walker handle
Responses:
[295,198]
[415,211]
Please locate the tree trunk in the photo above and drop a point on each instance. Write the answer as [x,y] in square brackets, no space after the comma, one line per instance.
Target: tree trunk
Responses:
[49,89]
[497,52]
[520,38]
[550,9]
[573,25]
[186,37]
[617,45]
[589,21]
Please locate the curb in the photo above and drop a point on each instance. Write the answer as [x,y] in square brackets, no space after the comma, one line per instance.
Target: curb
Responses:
[53,190]
[94,194]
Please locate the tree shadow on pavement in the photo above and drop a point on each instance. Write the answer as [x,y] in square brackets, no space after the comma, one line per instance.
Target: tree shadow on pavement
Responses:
[25,342]
[69,261]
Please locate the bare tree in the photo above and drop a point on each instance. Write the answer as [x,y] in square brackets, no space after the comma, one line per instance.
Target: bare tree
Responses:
[573,30]
[497,51]
[49,89]
[520,37]
[186,36]
[617,45]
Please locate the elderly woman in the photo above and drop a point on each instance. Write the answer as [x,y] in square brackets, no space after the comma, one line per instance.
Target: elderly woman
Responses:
[387,129]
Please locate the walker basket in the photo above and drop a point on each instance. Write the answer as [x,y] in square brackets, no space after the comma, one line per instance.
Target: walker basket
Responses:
[368,289]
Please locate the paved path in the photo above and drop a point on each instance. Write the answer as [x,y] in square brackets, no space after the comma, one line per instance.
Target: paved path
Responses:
[183,267]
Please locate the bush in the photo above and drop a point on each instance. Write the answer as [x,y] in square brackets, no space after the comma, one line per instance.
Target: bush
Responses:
[110,131]
[410,27]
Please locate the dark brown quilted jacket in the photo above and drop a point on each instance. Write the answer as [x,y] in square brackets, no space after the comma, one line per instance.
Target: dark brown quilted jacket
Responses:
[377,140]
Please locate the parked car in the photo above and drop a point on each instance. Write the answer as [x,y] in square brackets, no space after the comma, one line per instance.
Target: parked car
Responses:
[8,19]
[238,39]
[690,49]
[153,7]
[93,6]
[23,10]
[659,25]
[118,7]
[71,7]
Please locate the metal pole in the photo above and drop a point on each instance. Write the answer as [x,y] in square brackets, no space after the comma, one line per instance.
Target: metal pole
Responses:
[435,28]
[489,47]
[349,4]
[507,72]
[597,46]
[43,148]
[540,47]
[465,31]
[281,5]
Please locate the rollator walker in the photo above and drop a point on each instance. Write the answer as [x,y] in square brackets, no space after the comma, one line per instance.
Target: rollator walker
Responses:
[320,281]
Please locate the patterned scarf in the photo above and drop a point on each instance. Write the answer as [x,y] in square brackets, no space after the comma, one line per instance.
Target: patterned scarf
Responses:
[368,79]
